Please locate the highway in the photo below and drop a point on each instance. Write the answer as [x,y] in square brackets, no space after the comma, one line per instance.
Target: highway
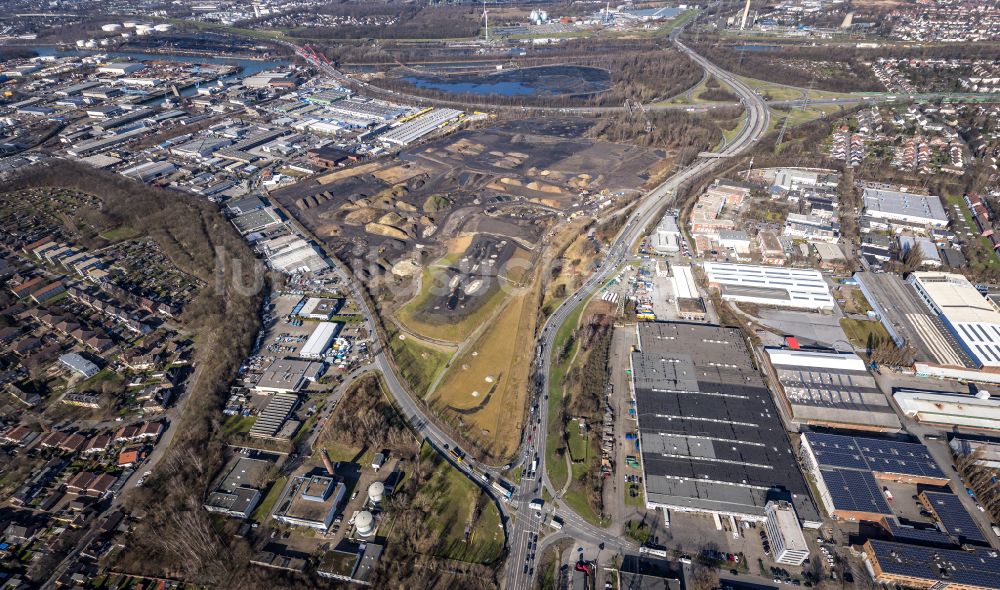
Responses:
[755,125]
[523,532]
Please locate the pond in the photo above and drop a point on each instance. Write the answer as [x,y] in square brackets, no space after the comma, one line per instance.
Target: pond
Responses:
[538,81]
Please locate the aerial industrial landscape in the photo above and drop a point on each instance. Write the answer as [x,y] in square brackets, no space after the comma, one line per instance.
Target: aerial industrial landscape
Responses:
[533,295]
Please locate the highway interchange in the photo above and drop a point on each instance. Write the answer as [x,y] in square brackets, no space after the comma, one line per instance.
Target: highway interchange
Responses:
[522,523]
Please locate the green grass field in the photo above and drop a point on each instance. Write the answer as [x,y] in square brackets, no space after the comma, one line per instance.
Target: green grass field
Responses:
[863,332]
[452,497]
[418,364]
[234,425]
[556,465]
[263,510]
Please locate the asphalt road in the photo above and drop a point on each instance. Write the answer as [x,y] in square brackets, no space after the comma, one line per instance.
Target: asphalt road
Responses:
[522,531]
[755,125]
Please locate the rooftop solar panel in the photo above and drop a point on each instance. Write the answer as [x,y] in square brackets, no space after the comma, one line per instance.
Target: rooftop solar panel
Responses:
[955,518]
[855,491]
[929,536]
[870,454]
[978,568]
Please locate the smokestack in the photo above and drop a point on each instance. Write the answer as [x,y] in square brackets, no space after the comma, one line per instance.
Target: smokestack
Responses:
[327,463]
[746,13]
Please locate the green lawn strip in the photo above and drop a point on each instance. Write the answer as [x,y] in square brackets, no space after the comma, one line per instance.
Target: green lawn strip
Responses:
[555,464]
[265,507]
[861,332]
[234,425]
[119,234]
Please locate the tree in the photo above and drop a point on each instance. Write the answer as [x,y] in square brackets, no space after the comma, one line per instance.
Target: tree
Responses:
[911,258]
[702,577]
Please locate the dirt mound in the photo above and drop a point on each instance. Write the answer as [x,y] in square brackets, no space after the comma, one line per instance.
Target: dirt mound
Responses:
[543,187]
[361,216]
[388,231]
[392,218]
[435,203]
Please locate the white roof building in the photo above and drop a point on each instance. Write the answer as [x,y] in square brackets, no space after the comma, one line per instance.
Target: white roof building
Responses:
[666,236]
[319,341]
[785,533]
[905,208]
[981,412]
[973,319]
[770,285]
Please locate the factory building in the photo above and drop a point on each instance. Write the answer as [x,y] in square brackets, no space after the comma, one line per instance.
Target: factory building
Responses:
[899,210]
[666,239]
[947,409]
[310,501]
[768,285]
[974,320]
[319,341]
[846,471]
[710,439]
[238,493]
[926,568]
[831,389]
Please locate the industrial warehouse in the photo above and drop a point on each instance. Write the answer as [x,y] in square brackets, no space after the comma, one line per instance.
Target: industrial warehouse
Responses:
[710,437]
[846,471]
[827,388]
[770,285]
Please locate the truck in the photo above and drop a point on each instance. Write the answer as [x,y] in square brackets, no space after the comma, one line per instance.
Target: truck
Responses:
[534,465]
[537,504]
[556,523]
[502,490]
[888,494]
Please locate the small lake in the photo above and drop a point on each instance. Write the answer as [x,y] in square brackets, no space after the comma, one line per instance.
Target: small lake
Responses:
[539,81]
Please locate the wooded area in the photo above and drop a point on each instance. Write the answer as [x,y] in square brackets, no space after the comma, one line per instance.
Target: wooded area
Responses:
[175,538]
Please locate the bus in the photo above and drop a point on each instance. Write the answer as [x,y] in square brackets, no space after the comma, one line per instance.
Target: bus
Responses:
[457,454]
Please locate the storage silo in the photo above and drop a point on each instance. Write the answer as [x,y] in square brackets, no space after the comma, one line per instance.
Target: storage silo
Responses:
[111,28]
[364,522]
[376,492]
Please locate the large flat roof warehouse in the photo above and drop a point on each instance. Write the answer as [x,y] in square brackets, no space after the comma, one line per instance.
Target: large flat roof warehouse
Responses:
[973,319]
[710,436]
[423,125]
[905,207]
[827,388]
[944,408]
[287,375]
[319,341]
[770,285]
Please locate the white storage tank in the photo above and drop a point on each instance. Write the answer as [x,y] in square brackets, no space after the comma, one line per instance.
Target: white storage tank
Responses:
[111,28]
[143,29]
[90,44]
[130,24]
[376,492]
[80,42]
[364,522]
[163,27]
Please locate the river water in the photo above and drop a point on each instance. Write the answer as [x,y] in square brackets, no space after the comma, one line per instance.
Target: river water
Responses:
[248,67]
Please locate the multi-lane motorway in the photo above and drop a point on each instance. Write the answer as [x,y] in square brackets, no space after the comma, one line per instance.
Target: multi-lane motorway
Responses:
[522,523]
[522,552]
